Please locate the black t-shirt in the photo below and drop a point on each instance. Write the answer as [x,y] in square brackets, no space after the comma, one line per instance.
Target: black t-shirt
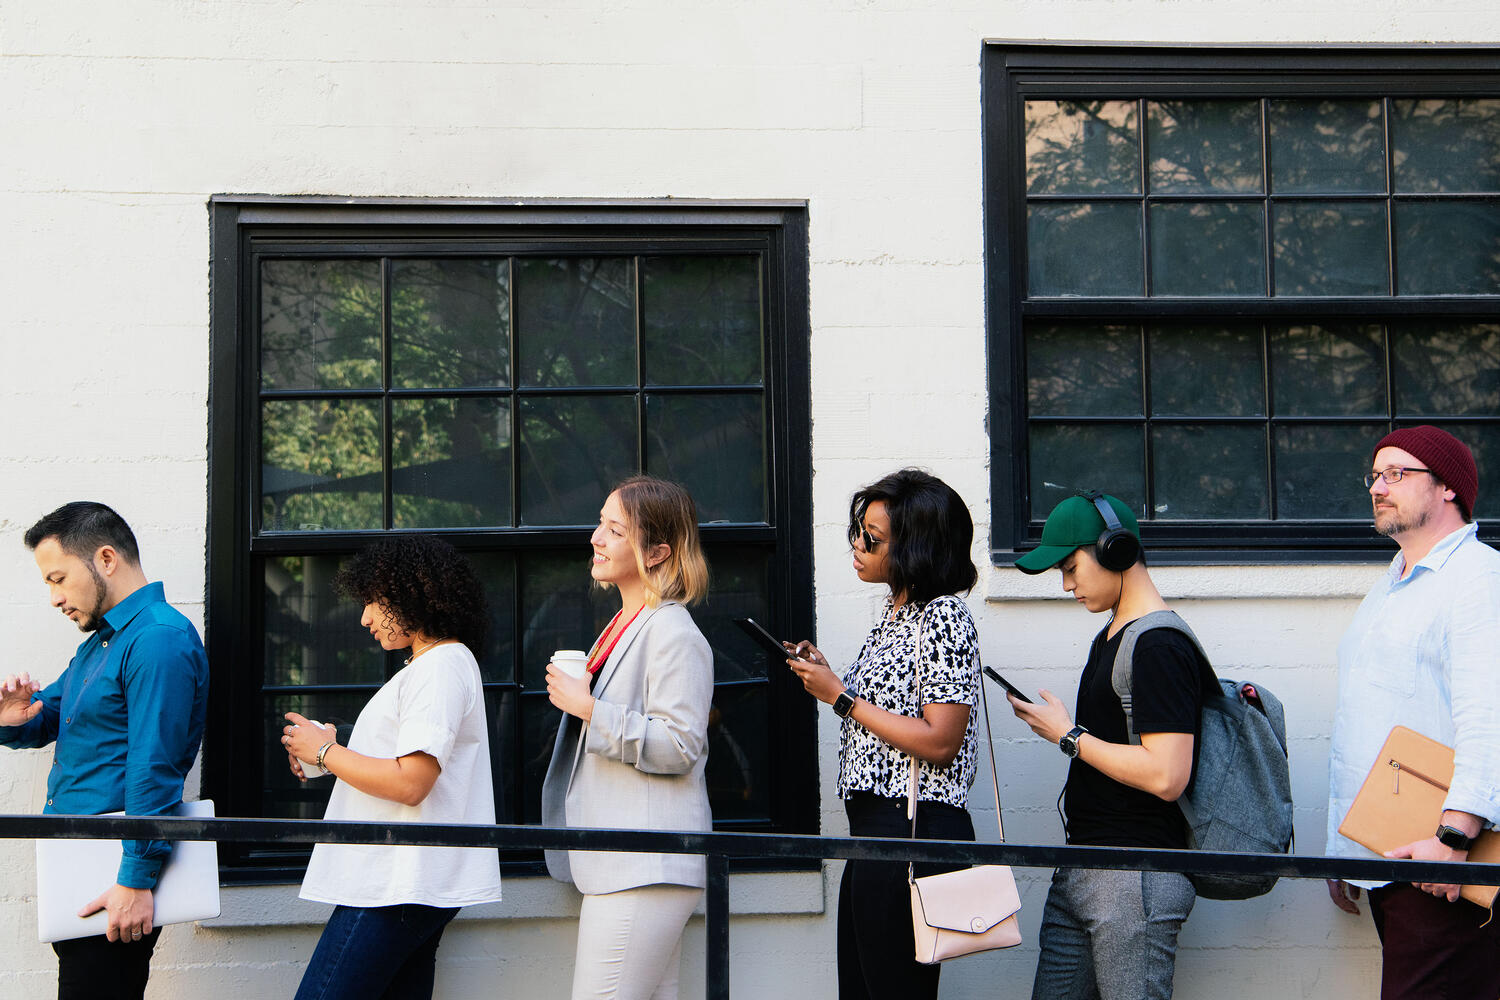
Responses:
[1166,691]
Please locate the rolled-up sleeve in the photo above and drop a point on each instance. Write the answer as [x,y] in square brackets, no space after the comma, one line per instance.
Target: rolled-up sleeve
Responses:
[164,670]
[1474,677]
[670,734]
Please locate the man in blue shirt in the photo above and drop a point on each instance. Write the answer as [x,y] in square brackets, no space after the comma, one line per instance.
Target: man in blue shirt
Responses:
[126,715]
[1422,653]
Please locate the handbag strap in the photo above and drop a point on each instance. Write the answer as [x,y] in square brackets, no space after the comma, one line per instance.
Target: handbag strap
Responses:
[911,788]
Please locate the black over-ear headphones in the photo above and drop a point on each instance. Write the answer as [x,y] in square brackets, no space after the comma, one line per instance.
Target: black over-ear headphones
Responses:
[1117,549]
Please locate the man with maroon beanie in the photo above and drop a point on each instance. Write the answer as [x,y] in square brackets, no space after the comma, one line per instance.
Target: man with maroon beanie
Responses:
[1423,652]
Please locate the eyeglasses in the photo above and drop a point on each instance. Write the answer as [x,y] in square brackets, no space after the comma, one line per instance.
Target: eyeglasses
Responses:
[867,541]
[1389,476]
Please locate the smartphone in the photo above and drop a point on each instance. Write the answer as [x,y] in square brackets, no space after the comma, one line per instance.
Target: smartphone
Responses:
[762,638]
[995,676]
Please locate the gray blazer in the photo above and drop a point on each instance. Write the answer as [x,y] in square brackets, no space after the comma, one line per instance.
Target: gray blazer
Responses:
[638,764]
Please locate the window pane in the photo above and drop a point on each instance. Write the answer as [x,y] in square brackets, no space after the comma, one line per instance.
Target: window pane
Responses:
[702,320]
[574,449]
[1318,470]
[740,587]
[539,722]
[320,324]
[1327,146]
[497,572]
[738,762]
[1067,458]
[450,463]
[320,465]
[1328,370]
[1080,249]
[1446,145]
[501,712]
[1207,248]
[1484,441]
[282,795]
[1445,368]
[1448,248]
[1209,472]
[1200,146]
[714,446]
[560,608]
[312,635]
[1084,371]
[1082,147]
[575,321]
[1207,371]
[450,323]
[1327,248]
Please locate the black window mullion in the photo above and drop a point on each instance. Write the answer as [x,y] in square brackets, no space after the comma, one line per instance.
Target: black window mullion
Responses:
[387,430]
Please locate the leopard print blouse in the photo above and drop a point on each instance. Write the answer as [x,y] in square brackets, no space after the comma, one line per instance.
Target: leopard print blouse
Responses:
[884,675]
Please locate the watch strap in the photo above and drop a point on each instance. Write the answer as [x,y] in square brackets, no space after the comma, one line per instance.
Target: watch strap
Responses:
[1453,837]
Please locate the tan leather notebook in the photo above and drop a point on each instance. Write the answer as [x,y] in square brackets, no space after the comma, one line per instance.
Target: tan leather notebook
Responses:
[1402,801]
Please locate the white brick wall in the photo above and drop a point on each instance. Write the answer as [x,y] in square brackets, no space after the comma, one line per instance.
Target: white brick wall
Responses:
[120,118]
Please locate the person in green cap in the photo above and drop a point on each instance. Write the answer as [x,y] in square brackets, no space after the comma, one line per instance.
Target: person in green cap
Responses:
[1112,935]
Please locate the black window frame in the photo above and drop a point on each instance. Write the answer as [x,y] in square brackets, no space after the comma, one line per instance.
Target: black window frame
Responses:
[775,229]
[1014,71]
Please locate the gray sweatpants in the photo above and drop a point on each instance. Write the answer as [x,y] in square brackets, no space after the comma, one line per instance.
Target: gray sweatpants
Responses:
[1110,935]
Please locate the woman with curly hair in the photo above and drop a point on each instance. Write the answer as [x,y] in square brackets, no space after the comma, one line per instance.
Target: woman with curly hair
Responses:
[631,749]
[419,753]
[911,533]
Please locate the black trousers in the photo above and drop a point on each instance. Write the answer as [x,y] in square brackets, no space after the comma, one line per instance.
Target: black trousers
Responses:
[1432,949]
[96,968]
[875,943]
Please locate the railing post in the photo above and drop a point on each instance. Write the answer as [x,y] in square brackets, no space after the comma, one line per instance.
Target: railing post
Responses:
[718,927]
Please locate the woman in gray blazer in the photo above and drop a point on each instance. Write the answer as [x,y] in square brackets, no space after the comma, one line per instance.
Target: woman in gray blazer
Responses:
[634,740]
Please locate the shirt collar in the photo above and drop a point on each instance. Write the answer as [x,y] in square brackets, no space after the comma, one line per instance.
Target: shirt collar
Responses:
[1439,554]
[123,613]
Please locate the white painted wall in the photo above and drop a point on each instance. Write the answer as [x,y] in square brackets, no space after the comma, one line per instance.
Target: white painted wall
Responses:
[120,118]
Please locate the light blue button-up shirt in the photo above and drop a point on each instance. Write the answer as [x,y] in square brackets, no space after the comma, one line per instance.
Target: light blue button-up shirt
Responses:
[1423,652]
[127,716]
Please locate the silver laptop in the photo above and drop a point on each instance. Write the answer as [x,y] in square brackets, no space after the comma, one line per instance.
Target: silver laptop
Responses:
[70,874]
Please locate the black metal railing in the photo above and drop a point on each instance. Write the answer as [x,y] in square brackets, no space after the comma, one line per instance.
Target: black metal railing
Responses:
[718,848]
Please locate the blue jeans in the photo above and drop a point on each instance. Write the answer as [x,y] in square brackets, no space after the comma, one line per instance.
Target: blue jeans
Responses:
[1111,935]
[376,951]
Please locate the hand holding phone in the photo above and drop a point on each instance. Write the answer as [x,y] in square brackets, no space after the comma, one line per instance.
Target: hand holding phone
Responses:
[1011,688]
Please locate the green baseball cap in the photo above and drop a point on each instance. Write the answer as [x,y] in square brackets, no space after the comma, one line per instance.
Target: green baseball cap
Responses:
[1073,523]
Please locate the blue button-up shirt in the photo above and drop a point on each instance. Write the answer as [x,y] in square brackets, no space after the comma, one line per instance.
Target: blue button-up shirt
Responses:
[1423,652]
[127,716]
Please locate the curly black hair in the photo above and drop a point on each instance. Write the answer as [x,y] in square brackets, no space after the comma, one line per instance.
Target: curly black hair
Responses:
[425,584]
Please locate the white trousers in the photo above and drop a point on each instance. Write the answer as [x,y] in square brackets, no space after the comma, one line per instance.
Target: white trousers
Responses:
[630,943]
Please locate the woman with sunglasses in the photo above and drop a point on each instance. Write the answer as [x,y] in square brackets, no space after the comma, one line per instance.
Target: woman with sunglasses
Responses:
[631,750]
[911,533]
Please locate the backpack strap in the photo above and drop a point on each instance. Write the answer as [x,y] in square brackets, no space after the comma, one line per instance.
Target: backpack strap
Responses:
[1124,669]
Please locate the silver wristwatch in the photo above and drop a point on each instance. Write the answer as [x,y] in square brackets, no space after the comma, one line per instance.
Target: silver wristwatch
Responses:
[1069,741]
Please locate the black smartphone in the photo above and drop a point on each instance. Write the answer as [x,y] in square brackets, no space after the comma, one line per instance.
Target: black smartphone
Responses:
[762,638]
[995,676]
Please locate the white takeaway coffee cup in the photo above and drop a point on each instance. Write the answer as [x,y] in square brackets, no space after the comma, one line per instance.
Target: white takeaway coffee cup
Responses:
[573,662]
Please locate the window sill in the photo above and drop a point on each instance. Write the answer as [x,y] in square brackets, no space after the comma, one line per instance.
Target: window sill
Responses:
[1320,580]
[526,897]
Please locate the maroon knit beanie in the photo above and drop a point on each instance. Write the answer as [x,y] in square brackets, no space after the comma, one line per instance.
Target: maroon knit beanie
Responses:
[1449,459]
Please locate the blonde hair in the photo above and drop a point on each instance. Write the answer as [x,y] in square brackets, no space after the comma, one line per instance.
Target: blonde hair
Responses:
[661,512]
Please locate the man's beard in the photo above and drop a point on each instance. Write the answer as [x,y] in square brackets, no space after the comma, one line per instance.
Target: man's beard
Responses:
[95,617]
[1395,524]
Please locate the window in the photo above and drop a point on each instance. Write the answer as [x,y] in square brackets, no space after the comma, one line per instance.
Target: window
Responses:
[1216,276]
[485,374]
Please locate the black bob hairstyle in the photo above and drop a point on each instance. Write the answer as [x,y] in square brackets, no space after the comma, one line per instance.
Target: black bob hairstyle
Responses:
[931,533]
[424,584]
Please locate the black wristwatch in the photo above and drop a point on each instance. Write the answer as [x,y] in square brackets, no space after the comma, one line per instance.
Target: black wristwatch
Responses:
[1069,741]
[843,705]
[1453,837]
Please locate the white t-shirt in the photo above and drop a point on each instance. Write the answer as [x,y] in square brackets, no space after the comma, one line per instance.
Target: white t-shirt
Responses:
[436,706]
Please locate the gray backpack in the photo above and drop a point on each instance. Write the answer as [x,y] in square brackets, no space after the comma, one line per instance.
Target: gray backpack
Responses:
[1240,798]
